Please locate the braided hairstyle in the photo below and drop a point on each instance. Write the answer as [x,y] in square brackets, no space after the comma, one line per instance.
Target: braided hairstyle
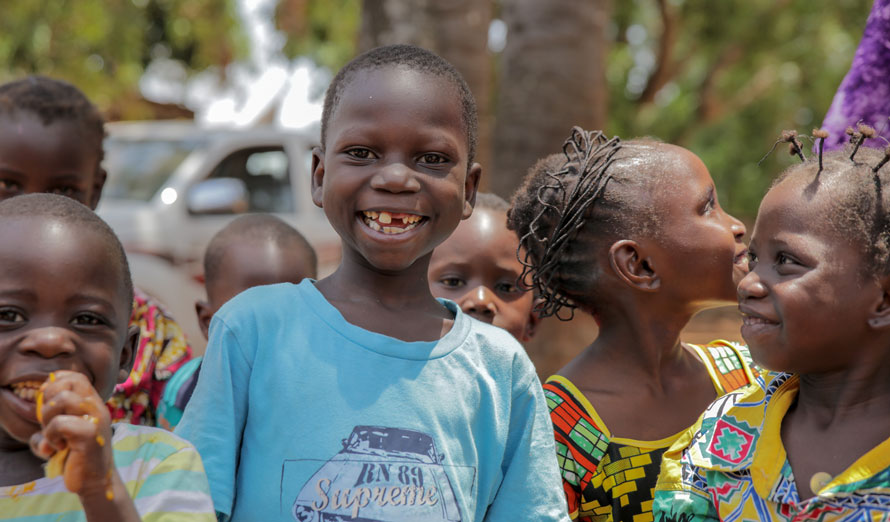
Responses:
[573,202]
[53,100]
[858,203]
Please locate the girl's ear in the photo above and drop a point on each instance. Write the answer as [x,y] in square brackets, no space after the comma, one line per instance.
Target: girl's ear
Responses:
[531,325]
[128,353]
[317,175]
[879,315]
[631,264]
[98,182]
[471,185]
[205,314]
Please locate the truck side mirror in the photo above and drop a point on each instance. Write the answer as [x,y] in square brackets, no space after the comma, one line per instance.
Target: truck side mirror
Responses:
[218,196]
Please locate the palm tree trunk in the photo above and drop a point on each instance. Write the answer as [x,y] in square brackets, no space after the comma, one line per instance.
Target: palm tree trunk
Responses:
[552,77]
[457,30]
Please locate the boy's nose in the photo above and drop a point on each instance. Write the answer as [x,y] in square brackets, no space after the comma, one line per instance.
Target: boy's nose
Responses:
[480,304]
[395,177]
[48,342]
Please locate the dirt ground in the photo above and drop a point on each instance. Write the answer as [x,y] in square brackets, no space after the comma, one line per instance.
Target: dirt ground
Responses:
[557,342]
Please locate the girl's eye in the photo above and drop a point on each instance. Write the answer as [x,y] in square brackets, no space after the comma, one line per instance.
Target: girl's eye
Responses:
[709,206]
[70,192]
[752,260]
[507,288]
[784,259]
[433,158]
[89,319]
[9,185]
[452,282]
[360,153]
[11,316]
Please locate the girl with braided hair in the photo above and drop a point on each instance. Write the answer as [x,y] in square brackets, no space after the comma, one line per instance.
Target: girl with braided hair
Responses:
[813,443]
[632,233]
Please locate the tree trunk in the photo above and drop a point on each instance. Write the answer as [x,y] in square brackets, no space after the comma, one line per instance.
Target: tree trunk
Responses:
[457,30]
[552,77]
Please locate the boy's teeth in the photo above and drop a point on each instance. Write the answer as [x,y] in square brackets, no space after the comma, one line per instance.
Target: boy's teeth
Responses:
[26,390]
[379,220]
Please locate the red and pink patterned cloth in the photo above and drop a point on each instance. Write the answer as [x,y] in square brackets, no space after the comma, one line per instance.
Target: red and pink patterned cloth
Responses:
[162,349]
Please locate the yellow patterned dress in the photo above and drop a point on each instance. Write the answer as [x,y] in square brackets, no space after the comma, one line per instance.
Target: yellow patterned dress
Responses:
[608,478]
[162,349]
[732,466]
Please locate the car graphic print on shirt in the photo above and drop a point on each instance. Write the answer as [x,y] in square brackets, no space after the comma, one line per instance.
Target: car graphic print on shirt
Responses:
[380,475]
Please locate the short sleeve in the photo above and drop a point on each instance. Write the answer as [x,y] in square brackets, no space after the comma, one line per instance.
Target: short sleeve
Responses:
[175,490]
[530,489]
[215,416]
[681,491]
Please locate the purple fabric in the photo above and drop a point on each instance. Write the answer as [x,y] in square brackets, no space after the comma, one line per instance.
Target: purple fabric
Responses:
[865,92]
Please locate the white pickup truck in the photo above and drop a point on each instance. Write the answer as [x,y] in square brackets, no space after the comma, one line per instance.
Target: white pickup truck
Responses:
[172,185]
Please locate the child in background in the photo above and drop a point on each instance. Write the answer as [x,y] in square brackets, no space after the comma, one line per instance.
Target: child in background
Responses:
[65,298]
[252,250]
[51,141]
[813,443]
[361,396]
[477,268]
[630,232]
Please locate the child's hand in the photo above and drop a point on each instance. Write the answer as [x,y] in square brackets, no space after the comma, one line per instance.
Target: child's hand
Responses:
[77,432]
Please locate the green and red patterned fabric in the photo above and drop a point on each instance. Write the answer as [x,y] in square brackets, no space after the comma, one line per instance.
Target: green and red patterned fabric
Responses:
[609,478]
[732,466]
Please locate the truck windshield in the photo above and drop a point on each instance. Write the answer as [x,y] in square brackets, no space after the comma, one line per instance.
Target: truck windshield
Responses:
[138,169]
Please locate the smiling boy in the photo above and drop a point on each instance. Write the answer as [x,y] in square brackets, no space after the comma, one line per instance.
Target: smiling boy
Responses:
[361,396]
[65,298]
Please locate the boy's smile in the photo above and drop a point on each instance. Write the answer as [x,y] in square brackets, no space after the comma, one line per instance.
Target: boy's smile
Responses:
[393,177]
[62,307]
[391,222]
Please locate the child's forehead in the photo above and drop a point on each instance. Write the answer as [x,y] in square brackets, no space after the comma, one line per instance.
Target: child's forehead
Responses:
[400,82]
[485,231]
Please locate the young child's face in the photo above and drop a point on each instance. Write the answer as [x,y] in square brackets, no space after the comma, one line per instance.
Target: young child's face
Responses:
[63,306]
[248,263]
[393,177]
[477,268]
[52,158]
[806,294]
[702,254]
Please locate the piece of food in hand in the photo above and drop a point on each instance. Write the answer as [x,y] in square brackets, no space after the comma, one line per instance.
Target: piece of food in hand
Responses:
[55,466]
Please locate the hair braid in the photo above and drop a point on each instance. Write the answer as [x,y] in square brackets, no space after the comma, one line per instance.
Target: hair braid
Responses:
[563,198]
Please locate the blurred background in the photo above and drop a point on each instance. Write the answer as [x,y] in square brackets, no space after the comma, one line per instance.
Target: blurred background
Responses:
[720,78]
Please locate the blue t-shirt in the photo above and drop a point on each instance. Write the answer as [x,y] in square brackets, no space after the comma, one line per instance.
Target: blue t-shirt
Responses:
[299,415]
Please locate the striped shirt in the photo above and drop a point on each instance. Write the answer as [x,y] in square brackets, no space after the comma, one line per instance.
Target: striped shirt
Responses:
[162,472]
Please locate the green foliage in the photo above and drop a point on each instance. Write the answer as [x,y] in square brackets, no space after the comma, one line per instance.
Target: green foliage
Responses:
[324,30]
[740,73]
[103,46]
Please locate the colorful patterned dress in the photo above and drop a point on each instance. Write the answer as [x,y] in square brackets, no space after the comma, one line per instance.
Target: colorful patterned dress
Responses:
[732,466]
[608,478]
[162,349]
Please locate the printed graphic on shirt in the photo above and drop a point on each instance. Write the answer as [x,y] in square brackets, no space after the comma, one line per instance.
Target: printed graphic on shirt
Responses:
[381,475]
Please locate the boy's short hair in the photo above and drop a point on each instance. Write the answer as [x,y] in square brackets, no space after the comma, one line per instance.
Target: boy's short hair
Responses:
[75,213]
[253,226]
[54,100]
[489,201]
[413,58]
